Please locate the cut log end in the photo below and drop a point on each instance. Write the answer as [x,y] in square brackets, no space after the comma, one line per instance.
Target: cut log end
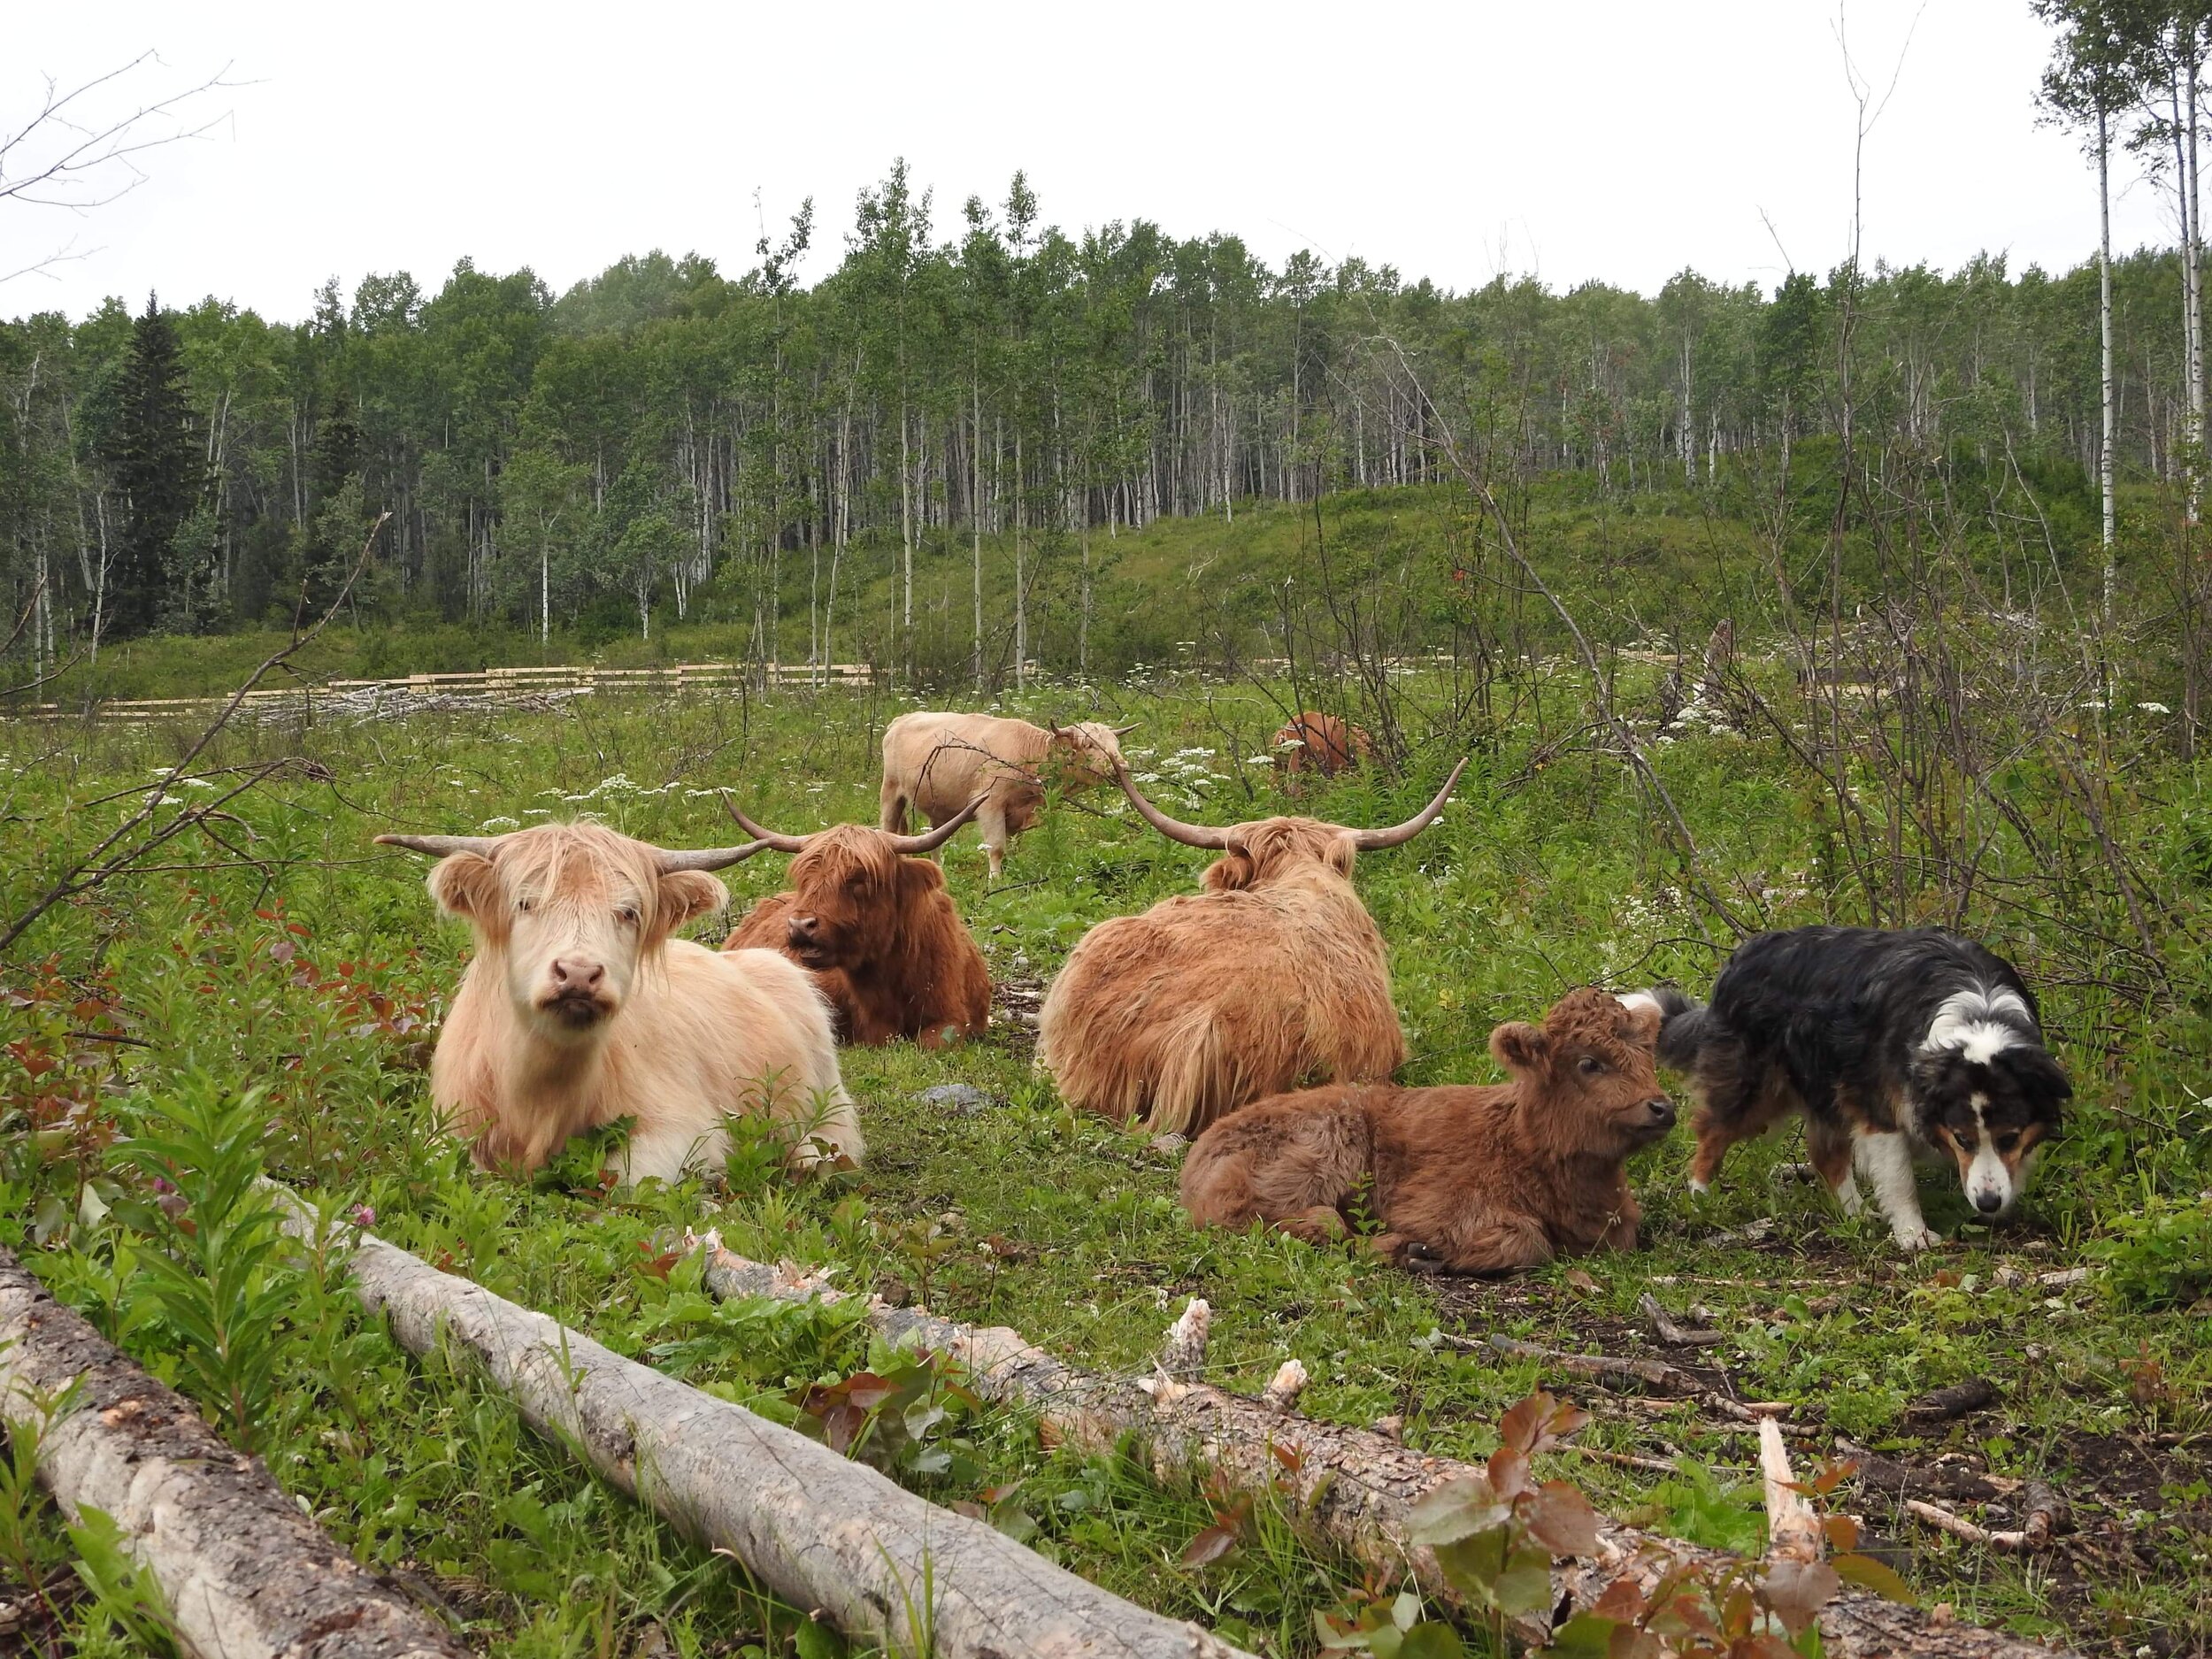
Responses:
[1183,1355]
[1792,1529]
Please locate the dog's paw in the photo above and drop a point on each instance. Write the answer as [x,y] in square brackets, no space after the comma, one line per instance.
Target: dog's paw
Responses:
[1700,1188]
[1416,1257]
[1918,1238]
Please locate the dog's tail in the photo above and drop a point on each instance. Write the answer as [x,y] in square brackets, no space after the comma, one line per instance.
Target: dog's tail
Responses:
[1685,1027]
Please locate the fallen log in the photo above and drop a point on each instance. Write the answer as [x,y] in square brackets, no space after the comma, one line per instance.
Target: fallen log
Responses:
[884,1566]
[243,1574]
[1354,1487]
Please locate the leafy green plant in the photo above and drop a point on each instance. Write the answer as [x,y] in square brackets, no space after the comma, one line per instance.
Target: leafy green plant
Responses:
[2160,1255]
[123,1593]
[217,1278]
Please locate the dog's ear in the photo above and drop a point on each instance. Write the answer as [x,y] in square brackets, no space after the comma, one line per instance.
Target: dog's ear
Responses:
[2037,1074]
[1519,1046]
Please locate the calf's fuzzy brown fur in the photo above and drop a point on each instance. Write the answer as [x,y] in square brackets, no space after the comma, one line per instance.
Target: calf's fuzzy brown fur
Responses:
[1476,1180]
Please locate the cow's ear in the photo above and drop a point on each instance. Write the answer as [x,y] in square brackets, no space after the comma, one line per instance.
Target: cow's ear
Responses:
[1518,1046]
[466,885]
[685,893]
[1232,872]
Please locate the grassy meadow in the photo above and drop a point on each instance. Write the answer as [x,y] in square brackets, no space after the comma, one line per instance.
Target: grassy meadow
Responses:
[293,966]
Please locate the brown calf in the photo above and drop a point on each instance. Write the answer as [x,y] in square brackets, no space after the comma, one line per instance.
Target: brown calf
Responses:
[1476,1179]
[870,919]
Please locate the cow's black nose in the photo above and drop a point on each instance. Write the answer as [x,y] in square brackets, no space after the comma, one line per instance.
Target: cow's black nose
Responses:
[1989,1203]
[1661,1112]
[802,926]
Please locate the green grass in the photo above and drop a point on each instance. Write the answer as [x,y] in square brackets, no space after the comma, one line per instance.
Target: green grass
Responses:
[1539,877]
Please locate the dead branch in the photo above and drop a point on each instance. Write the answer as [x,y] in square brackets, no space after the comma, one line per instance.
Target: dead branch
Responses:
[1354,1488]
[243,1573]
[1792,1529]
[1667,1330]
[884,1566]
[97,866]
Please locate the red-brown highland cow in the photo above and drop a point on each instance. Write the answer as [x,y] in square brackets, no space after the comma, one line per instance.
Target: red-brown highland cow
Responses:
[580,1009]
[1475,1180]
[1274,976]
[869,917]
[1319,743]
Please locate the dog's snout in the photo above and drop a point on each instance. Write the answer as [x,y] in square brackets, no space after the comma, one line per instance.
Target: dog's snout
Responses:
[1988,1203]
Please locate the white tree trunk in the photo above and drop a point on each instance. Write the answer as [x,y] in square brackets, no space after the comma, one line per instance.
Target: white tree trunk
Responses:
[244,1574]
[1355,1486]
[882,1565]
[2104,322]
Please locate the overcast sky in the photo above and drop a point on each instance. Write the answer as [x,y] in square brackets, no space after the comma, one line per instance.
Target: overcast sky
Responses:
[1615,141]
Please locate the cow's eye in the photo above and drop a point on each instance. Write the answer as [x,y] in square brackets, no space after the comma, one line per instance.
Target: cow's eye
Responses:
[1592,1065]
[626,914]
[522,906]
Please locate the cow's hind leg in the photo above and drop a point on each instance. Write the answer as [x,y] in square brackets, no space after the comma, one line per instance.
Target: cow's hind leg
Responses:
[891,805]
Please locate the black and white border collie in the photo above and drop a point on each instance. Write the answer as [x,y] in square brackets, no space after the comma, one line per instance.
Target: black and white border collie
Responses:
[1891,1044]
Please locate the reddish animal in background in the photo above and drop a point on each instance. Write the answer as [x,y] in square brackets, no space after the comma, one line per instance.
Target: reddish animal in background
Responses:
[1318,743]
[580,1009]
[1274,976]
[935,763]
[870,918]
[1475,1180]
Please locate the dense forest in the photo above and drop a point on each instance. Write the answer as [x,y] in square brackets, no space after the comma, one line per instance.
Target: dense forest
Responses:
[668,442]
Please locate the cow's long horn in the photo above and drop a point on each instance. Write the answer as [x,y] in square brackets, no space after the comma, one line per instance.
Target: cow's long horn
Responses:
[767,838]
[441,846]
[1398,835]
[670,860]
[1174,829]
[1124,730]
[916,846]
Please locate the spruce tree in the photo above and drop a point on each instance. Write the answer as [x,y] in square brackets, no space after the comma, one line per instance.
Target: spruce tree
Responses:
[156,465]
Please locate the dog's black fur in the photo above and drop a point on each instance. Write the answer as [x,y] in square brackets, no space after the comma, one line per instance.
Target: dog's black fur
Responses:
[1872,1034]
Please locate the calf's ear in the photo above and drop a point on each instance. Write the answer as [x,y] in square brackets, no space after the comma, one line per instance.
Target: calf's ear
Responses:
[1518,1046]
[685,893]
[466,885]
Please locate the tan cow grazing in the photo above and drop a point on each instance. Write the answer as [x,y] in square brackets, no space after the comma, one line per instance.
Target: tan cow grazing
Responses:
[935,763]
[869,917]
[1273,976]
[580,1009]
[1475,1180]
[1319,743]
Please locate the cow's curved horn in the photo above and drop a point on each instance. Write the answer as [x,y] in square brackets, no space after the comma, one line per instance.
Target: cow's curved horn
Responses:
[767,838]
[441,846]
[1398,835]
[915,846]
[670,860]
[1124,730]
[1174,829]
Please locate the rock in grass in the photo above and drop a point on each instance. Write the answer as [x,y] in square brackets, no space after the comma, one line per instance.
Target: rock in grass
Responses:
[964,1098]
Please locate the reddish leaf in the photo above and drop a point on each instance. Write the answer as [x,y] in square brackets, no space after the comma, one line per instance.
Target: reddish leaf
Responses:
[1795,1590]
[1581,1280]
[1833,1474]
[968,1507]
[1509,1472]
[1559,1518]
[1289,1456]
[1622,1600]
[867,1391]
[1842,1531]
[1521,1427]
[1209,1547]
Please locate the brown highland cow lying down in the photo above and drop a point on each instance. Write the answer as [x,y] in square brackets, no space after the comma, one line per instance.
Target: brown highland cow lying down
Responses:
[1472,1179]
